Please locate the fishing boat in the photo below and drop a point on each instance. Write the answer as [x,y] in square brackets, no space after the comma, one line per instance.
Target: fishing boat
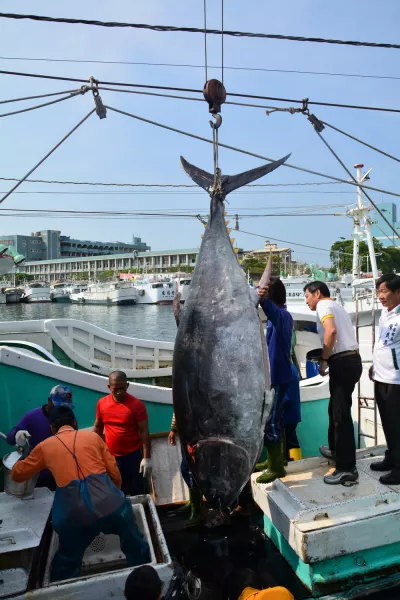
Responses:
[60,292]
[83,346]
[112,294]
[36,291]
[154,292]
[184,283]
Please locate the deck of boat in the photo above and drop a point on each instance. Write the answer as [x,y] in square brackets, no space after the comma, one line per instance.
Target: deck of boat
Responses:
[213,555]
[333,535]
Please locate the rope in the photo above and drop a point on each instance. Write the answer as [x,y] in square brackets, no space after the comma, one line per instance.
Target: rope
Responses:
[46,156]
[35,97]
[355,180]
[352,137]
[177,89]
[205,38]
[288,165]
[23,110]
[171,28]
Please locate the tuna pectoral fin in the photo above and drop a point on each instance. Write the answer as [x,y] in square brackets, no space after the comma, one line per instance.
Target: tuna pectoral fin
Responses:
[222,469]
[233,182]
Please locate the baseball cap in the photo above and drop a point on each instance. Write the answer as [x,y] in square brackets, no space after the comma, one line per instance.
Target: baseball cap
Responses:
[61,395]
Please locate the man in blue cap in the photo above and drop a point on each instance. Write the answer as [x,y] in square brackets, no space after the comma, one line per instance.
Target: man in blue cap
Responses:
[34,427]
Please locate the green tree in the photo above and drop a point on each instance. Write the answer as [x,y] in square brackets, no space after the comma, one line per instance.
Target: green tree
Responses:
[256,266]
[387,259]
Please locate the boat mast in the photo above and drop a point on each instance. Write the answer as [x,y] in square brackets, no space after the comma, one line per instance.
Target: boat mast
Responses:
[361,212]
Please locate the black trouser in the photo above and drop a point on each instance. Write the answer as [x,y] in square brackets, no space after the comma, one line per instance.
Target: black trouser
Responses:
[291,438]
[387,397]
[344,373]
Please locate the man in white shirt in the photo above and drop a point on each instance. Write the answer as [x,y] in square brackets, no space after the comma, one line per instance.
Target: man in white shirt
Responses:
[385,372]
[340,353]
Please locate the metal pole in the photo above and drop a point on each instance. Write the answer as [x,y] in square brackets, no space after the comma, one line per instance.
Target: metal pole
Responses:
[367,225]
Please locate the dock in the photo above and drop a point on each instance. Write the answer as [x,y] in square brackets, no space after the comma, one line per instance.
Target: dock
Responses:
[333,537]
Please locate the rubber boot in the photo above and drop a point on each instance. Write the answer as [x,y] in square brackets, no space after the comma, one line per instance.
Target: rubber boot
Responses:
[295,454]
[275,461]
[195,505]
[184,508]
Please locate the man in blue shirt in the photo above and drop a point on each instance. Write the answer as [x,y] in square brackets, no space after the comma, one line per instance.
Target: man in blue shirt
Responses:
[34,427]
[279,338]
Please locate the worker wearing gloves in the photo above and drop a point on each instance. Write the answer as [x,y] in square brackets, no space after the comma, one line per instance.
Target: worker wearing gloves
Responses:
[279,338]
[34,427]
[88,499]
[195,496]
[122,419]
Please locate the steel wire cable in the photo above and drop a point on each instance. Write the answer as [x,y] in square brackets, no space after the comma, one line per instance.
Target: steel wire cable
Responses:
[30,108]
[191,66]
[352,137]
[248,153]
[355,180]
[172,28]
[35,97]
[171,88]
[47,155]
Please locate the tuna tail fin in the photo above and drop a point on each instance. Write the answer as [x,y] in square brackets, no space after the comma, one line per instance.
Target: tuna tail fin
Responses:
[229,182]
[233,182]
[202,178]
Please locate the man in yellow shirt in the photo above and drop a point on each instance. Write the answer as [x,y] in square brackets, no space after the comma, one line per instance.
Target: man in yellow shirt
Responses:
[244,585]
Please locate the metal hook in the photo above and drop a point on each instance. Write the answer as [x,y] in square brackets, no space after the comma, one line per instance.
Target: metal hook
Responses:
[218,121]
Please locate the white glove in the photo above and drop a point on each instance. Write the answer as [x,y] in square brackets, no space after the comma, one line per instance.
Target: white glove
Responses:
[146,467]
[22,437]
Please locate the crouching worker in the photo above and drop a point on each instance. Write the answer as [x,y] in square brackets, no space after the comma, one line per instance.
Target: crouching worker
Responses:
[88,499]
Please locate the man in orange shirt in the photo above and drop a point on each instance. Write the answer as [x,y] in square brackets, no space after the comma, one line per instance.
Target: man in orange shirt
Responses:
[122,418]
[87,499]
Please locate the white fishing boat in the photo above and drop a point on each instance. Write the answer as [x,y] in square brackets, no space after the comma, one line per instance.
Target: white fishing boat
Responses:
[60,292]
[115,293]
[154,292]
[36,292]
[184,286]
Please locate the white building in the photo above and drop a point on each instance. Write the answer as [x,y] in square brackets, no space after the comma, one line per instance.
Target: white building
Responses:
[74,267]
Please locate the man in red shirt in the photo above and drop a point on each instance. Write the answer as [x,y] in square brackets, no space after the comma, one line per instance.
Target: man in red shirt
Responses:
[122,419]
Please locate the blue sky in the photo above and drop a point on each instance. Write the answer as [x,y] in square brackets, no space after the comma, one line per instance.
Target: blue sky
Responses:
[120,149]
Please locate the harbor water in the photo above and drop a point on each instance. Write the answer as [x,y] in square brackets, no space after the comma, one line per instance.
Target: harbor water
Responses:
[153,322]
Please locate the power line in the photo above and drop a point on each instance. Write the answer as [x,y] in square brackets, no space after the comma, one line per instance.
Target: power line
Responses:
[166,193]
[171,28]
[268,237]
[166,185]
[191,66]
[194,91]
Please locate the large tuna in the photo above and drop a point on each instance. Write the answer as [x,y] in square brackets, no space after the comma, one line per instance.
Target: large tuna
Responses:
[221,384]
